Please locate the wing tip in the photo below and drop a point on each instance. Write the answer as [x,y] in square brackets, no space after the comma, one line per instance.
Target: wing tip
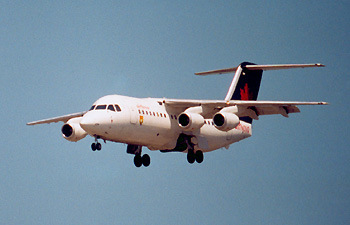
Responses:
[36,123]
[323,103]
[220,71]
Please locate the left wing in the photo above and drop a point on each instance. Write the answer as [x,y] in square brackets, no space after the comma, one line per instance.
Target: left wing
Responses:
[245,107]
[64,119]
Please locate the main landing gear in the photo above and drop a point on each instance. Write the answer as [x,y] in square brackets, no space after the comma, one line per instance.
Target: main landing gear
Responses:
[195,156]
[186,142]
[145,160]
[139,160]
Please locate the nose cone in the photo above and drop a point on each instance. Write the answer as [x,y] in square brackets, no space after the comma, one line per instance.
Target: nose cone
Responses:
[96,122]
[89,122]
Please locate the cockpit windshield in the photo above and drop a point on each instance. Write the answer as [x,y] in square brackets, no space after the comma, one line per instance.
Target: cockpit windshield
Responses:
[118,108]
[109,107]
[101,107]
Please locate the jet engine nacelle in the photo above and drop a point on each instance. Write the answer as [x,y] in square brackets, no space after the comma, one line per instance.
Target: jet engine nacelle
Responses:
[72,131]
[225,121]
[190,121]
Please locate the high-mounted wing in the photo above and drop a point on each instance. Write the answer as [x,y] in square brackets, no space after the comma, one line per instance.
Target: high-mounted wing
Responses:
[259,107]
[272,107]
[64,119]
[222,103]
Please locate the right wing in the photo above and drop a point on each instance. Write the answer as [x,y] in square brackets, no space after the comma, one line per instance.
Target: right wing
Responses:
[64,119]
[245,107]
[254,109]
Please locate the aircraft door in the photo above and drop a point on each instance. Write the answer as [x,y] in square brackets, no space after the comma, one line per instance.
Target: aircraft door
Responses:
[133,115]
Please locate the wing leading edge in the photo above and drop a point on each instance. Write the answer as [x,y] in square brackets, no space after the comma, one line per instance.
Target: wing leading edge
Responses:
[246,107]
[64,119]
[222,103]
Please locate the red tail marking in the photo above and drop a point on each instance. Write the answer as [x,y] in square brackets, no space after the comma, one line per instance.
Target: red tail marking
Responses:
[245,95]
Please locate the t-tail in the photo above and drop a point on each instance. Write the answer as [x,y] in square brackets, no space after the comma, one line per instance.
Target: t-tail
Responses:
[245,86]
[246,81]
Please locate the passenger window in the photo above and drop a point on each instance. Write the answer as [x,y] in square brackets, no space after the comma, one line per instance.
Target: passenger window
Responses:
[117,108]
[101,107]
[92,108]
[111,107]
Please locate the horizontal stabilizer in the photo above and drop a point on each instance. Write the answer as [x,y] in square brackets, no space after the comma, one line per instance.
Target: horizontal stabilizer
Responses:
[260,67]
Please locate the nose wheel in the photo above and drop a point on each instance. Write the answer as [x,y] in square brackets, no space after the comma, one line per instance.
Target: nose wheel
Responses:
[96,145]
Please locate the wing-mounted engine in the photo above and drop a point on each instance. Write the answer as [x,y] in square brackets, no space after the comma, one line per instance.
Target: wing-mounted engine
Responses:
[190,121]
[225,121]
[72,131]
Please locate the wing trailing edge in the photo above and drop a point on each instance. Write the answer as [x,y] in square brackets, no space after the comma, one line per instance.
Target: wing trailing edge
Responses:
[251,109]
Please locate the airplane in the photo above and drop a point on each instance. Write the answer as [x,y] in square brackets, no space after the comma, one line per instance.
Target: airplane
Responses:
[190,126]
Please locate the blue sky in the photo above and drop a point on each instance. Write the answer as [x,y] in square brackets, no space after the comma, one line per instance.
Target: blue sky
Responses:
[59,57]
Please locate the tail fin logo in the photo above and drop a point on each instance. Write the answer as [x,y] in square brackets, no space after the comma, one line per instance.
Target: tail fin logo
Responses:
[245,95]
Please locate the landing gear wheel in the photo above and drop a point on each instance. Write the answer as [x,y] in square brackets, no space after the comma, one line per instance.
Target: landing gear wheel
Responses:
[138,160]
[146,160]
[191,157]
[98,146]
[199,156]
[93,146]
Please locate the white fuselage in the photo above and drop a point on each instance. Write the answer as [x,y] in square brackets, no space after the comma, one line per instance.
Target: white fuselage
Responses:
[149,122]
[182,125]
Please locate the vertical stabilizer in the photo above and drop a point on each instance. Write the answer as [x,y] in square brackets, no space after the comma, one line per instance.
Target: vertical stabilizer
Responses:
[248,84]
[245,85]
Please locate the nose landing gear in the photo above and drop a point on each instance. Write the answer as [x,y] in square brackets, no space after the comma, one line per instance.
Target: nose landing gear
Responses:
[96,145]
